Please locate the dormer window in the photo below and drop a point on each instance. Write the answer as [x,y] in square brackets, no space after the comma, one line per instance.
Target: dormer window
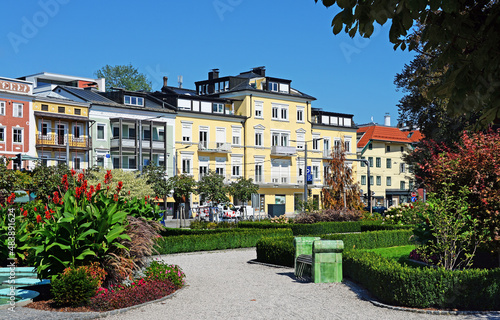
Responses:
[273,86]
[279,87]
[218,108]
[134,101]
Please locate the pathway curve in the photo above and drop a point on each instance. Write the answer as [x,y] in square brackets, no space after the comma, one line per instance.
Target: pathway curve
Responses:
[223,285]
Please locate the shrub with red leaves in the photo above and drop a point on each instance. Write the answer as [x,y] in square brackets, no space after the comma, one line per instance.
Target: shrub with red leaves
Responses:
[133,295]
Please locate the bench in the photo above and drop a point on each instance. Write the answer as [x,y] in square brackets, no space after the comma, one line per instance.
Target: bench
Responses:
[319,259]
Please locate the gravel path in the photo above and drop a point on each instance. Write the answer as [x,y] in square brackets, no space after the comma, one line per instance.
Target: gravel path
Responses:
[223,285]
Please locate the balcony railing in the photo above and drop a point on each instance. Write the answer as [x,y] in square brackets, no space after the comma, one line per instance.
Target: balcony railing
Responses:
[57,140]
[221,147]
[131,143]
[281,150]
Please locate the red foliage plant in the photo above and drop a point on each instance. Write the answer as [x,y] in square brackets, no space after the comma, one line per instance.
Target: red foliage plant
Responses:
[474,163]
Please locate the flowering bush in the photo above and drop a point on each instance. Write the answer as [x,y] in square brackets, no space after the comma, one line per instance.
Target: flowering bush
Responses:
[405,213]
[141,292]
[279,220]
[158,270]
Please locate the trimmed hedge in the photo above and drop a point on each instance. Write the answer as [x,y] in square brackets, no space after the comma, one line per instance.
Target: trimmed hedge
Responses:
[168,232]
[308,229]
[280,251]
[373,239]
[262,225]
[392,283]
[216,241]
[378,226]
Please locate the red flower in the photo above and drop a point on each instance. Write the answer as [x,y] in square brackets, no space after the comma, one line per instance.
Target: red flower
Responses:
[78,192]
[119,187]
[56,198]
[73,172]
[80,177]
[108,177]
[129,192]
[25,213]
[65,182]
[38,218]
[98,187]
[34,209]
[115,197]
[11,198]
[156,198]
[47,215]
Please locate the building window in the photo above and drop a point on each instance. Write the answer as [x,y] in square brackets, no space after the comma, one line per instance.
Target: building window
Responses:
[78,111]
[236,170]
[279,139]
[258,173]
[161,134]
[273,86]
[134,101]
[45,107]
[370,146]
[378,162]
[315,170]
[402,149]
[2,134]
[77,132]
[100,161]
[76,163]
[116,132]
[402,168]
[315,143]
[300,115]
[388,181]
[371,180]
[411,185]
[402,185]
[362,162]
[280,112]
[259,110]
[220,171]
[236,136]
[280,171]
[186,132]
[388,149]
[379,180]
[370,160]
[300,141]
[388,163]
[363,180]
[218,108]
[45,129]
[100,131]
[131,132]
[336,145]
[258,139]
[116,163]
[17,135]
[18,110]
[203,171]
[347,146]
[186,166]
[132,163]
[2,108]
[61,109]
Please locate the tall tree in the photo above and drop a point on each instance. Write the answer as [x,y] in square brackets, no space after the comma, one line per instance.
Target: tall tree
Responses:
[460,38]
[243,189]
[211,187]
[340,190]
[122,76]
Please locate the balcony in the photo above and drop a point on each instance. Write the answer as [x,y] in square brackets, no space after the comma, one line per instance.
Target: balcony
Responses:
[216,147]
[131,143]
[60,141]
[282,150]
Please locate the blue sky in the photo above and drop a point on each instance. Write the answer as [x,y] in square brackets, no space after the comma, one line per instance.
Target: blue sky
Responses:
[292,39]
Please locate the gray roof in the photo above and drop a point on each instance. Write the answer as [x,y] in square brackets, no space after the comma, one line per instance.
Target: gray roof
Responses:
[90,96]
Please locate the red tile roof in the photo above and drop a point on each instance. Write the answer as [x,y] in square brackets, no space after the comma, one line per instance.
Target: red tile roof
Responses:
[415,136]
[381,133]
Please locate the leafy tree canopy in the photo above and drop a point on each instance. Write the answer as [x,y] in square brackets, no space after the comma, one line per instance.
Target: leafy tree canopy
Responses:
[243,189]
[155,177]
[122,76]
[459,37]
[211,187]
[183,185]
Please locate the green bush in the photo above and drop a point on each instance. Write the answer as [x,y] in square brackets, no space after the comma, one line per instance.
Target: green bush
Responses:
[266,224]
[168,232]
[392,283]
[215,241]
[281,251]
[373,239]
[308,229]
[74,287]
[378,226]
[277,250]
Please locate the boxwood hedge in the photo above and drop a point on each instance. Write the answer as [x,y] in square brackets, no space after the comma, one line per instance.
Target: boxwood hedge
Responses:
[216,241]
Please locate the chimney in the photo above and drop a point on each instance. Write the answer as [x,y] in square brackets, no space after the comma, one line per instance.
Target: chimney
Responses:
[214,74]
[165,80]
[260,71]
[387,120]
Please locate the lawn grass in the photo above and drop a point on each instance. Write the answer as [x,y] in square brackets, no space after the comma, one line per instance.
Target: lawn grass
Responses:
[400,254]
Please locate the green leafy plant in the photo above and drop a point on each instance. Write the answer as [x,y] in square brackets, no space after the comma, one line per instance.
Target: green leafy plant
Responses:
[74,287]
[158,270]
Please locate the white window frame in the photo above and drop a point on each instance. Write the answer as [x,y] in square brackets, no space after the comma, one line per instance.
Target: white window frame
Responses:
[259,110]
[129,100]
[80,160]
[14,134]
[280,138]
[2,108]
[259,138]
[217,107]
[388,181]
[279,112]
[301,140]
[402,167]
[273,86]
[103,130]
[236,164]
[206,130]
[236,139]
[17,108]
[347,145]
[3,134]
[280,171]
[220,136]
[49,129]
[259,173]
[187,131]
[220,166]
[81,133]
[315,142]
[300,114]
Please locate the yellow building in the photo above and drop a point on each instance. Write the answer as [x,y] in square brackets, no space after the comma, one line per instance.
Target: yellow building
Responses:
[62,128]
[390,180]
[276,130]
